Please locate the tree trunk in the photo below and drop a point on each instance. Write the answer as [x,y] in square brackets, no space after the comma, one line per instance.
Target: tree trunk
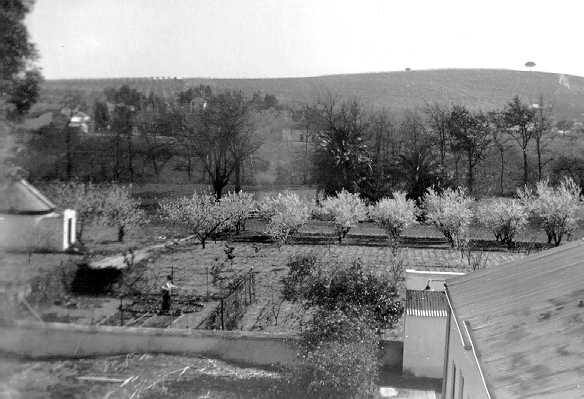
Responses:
[154,164]
[189,167]
[218,188]
[121,233]
[117,161]
[456,161]
[538,148]
[470,173]
[525,166]
[502,153]
[80,231]
[68,155]
[237,175]
[130,157]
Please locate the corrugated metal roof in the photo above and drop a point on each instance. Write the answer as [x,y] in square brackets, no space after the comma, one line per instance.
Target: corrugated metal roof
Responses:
[526,320]
[426,303]
[20,197]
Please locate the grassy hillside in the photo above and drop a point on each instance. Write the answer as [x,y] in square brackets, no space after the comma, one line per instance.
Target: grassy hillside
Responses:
[481,88]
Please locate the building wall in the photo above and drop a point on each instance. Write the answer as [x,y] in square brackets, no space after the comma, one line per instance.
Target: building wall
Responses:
[462,378]
[424,344]
[46,232]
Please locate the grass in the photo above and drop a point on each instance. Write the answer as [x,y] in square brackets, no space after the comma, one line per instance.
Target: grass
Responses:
[149,376]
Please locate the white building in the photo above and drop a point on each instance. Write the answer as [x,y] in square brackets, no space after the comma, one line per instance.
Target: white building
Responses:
[29,220]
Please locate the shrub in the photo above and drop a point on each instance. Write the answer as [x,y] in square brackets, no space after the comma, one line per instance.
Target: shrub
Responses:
[339,357]
[52,286]
[346,287]
[555,209]
[120,209]
[449,212]
[286,214]
[300,268]
[394,215]
[505,218]
[339,345]
[346,210]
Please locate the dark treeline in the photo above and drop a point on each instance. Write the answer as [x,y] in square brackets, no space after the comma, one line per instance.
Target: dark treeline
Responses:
[490,153]
[212,137]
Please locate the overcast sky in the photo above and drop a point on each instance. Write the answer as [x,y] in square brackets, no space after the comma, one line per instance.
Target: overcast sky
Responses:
[277,38]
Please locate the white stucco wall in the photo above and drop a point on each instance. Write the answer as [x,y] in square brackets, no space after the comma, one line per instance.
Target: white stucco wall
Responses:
[424,346]
[466,368]
[46,232]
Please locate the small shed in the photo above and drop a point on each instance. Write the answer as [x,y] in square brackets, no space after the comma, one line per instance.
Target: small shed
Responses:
[425,333]
[29,220]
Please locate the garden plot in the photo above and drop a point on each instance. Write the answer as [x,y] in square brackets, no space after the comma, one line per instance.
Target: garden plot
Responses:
[207,272]
[203,276]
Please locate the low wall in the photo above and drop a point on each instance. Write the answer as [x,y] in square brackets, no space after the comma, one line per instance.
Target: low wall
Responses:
[53,340]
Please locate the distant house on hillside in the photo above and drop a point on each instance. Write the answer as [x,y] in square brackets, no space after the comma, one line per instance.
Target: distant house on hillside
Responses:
[517,331]
[29,220]
[80,120]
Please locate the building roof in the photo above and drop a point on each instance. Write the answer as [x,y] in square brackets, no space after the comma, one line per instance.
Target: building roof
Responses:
[20,197]
[526,322]
[426,303]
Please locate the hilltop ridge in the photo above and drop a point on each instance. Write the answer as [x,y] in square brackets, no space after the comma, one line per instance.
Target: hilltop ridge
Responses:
[479,88]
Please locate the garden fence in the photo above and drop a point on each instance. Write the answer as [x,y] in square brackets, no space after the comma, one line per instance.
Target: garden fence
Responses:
[233,305]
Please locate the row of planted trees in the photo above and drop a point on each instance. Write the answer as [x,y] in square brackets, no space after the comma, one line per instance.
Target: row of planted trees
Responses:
[554,209]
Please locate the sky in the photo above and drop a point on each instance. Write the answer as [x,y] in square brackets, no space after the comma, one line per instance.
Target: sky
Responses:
[285,38]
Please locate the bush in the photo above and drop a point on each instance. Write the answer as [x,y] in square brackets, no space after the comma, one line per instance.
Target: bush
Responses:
[449,212]
[340,343]
[52,286]
[394,215]
[345,287]
[505,218]
[555,209]
[346,210]
[286,214]
[300,268]
[339,357]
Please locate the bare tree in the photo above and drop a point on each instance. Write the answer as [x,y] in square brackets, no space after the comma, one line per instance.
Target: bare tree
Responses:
[438,117]
[470,132]
[224,135]
[542,126]
[518,119]
[501,142]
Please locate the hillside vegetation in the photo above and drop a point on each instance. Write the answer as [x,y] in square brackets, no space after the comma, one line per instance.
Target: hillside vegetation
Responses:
[476,88]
